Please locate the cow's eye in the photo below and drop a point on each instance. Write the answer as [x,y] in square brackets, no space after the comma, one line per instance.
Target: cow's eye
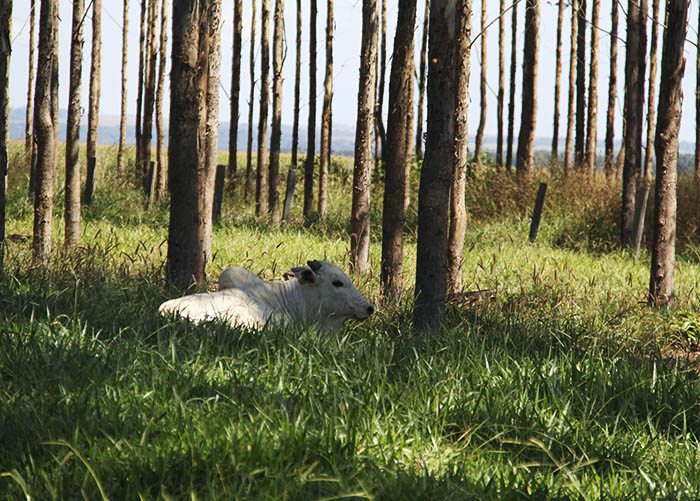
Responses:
[337,283]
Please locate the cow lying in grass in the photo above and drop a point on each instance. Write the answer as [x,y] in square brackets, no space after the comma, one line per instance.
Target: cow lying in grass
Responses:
[319,294]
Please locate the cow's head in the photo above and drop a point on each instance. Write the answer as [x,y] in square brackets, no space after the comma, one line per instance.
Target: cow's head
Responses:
[337,297]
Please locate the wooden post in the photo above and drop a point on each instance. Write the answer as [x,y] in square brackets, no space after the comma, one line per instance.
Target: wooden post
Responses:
[640,210]
[89,180]
[151,181]
[289,195]
[537,213]
[218,192]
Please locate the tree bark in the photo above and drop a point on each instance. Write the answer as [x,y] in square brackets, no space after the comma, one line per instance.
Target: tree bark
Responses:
[149,93]
[262,177]
[697,114]
[572,89]
[653,49]
[362,171]
[5,50]
[325,159]
[511,97]
[580,139]
[44,127]
[433,196]
[251,105]
[193,137]
[72,163]
[142,62]
[28,127]
[501,83]
[235,93]
[94,98]
[379,130]
[634,106]
[276,132]
[662,274]
[311,127]
[592,134]
[397,153]
[526,138]
[297,80]
[612,93]
[458,210]
[121,153]
[557,85]
[482,89]
[160,90]
[421,82]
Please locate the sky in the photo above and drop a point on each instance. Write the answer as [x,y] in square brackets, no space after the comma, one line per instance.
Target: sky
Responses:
[348,23]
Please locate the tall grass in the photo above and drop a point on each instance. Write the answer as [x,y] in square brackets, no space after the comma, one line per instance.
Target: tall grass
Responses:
[558,384]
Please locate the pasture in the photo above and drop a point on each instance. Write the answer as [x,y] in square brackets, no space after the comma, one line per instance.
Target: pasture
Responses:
[559,383]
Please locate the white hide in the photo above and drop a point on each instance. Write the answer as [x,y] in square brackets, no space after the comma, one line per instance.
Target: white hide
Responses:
[320,294]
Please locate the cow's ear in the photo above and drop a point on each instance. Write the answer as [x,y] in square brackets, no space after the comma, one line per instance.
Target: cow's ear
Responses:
[314,265]
[304,275]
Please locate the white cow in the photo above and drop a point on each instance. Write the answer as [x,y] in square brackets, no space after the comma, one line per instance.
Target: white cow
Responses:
[318,294]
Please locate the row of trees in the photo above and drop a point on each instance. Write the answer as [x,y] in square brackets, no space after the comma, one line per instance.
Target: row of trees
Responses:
[194,103]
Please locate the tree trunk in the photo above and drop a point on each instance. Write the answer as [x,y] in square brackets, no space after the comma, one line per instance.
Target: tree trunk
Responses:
[72,165]
[557,85]
[634,106]
[121,154]
[511,97]
[482,89]
[44,132]
[612,93]
[572,89]
[653,49]
[397,153]
[362,171]
[434,190]
[160,90]
[592,138]
[311,127]
[662,275]
[580,139]
[262,177]
[142,62]
[697,114]
[297,79]
[501,83]
[193,137]
[235,93]
[276,132]
[526,138]
[421,82]
[325,159]
[379,130]
[28,127]
[5,50]
[458,210]
[251,105]
[149,94]
[94,99]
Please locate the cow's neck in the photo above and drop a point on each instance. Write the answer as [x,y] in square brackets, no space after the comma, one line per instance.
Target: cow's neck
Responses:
[294,302]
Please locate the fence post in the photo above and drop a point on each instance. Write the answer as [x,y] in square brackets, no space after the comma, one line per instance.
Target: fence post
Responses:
[537,213]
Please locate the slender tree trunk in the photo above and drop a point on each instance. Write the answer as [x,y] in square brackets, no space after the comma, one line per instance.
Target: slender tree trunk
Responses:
[149,95]
[362,171]
[612,93]
[557,85]
[72,180]
[251,105]
[434,190]
[121,154]
[592,139]
[379,130]
[397,154]
[142,69]
[94,99]
[483,89]
[501,83]
[5,50]
[580,139]
[511,97]
[572,89]
[526,138]
[193,137]
[28,128]
[235,93]
[421,82]
[653,49]
[44,131]
[458,210]
[325,159]
[697,114]
[161,153]
[662,275]
[297,79]
[634,106]
[262,178]
[311,127]
[276,132]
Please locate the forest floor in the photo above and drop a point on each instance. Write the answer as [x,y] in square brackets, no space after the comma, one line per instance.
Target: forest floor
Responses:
[560,383]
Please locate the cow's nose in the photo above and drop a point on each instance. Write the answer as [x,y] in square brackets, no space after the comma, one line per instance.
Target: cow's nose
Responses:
[370,309]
